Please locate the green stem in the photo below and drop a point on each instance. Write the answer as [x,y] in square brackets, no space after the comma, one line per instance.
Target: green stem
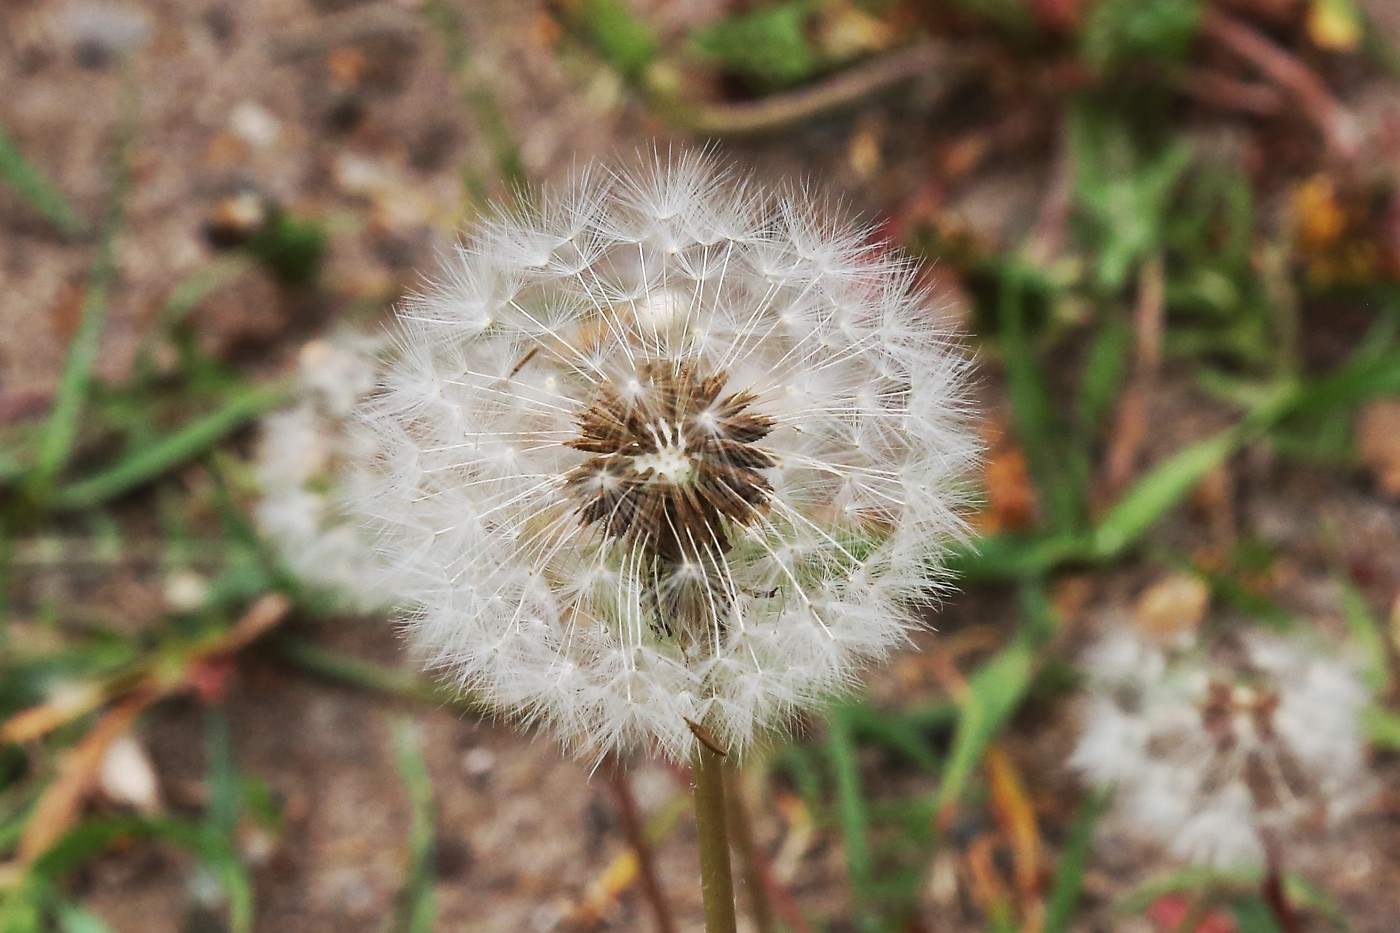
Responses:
[716,880]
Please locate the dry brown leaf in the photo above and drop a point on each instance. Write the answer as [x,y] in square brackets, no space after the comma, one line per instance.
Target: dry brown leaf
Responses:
[1378,443]
[225,151]
[1334,232]
[1011,502]
[988,887]
[845,31]
[346,65]
[64,706]
[1173,606]
[62,800]
[1213,499]
[864,151]
[801,831]
[1057,16]
[1069,596]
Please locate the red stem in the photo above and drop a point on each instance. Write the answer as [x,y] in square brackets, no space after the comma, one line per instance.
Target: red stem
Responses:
[1285,914]
[632,828]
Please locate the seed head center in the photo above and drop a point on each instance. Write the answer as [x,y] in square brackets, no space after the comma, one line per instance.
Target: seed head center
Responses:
[675,463]
[669,462]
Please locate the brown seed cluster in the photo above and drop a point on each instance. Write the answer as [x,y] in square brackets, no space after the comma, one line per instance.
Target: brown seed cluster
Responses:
[1270,772]
[1225,702]
[675,467]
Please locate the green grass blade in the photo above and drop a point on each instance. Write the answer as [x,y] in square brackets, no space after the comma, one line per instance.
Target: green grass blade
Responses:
[1069,876]
[1104,370]
[12,469]
[155,460]
[414,907]
[1367,632]
[1040,621]
[367,675]
[1382,727]
[448,23]
[184,297]
[221,775]
[213,851]
[1160,489]
[850,802]
[72,918]
[1372,371]
[893,730]
[623,40]
[35,188]
[1252,915]
[1039,428]
[1013,556]
[22,909]
[60,432]
[1179,880]
[994,693]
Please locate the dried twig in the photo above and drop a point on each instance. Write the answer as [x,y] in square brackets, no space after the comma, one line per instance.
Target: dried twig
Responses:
[1335,122]
[61,802]
[1221,90]
[154,679]
[934,64]
[1130,431]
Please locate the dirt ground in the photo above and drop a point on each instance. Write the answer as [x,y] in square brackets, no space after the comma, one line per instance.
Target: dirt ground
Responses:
[353,113]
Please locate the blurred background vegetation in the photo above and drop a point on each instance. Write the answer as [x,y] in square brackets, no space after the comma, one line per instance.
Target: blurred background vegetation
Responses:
[1171,229]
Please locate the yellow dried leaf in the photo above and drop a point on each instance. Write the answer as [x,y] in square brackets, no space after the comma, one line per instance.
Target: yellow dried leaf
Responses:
[845,31]
[1334,24]
[1335,235]
[863,153]
[64,705]
[1016,815]
[606,888]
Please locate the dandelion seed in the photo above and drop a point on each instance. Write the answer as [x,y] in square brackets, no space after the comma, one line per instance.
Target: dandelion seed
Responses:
[665,451]
[1216,754]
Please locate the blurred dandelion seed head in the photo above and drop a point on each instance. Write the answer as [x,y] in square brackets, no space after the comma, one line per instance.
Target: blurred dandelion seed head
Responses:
[662,448]
[302,456]
[1214,752]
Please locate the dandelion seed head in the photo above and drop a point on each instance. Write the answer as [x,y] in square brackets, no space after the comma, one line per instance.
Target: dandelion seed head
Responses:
[1212,749]
[302,456]
[665,449]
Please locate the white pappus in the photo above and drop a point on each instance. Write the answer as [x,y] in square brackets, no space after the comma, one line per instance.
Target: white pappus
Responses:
[1218,753]
[665,451]
[302,455]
